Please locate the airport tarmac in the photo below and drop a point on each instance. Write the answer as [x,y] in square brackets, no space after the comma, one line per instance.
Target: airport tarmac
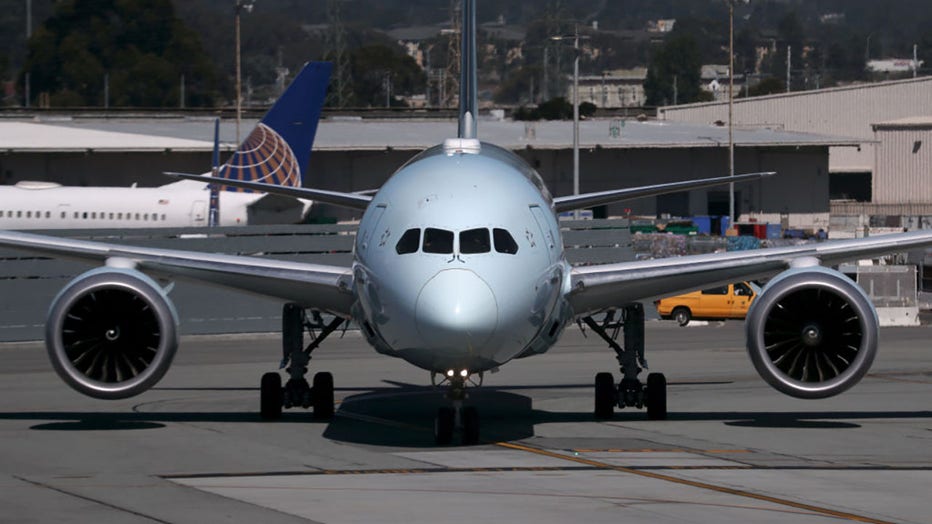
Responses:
[733,450]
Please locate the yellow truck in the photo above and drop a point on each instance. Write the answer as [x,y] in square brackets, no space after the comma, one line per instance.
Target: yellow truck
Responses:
[717,303]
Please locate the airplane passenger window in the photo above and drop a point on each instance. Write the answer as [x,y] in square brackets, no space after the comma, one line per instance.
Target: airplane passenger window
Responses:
[438,241]
[504,242]
[409,242]
[474,241]
[48,214]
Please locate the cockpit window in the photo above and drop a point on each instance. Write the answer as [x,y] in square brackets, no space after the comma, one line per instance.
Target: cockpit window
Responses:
[474,241]
[438,241]
[504,242]
[409,242]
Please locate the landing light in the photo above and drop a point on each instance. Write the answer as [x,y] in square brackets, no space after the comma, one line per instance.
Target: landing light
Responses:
[450,373]
[464,373]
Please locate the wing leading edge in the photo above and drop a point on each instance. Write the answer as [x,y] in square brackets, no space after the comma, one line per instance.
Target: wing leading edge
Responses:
[597,288]
[318,286]
[573,202]
[337,198]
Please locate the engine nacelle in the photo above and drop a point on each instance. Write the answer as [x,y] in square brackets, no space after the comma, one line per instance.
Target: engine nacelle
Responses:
[812,333]
[111,333]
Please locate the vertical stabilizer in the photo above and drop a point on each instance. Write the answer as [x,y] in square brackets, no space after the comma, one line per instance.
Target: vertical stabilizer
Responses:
[469,101]
[278,149]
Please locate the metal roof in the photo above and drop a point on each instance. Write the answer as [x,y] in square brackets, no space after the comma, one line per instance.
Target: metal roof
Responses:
[39,138]
[196,134]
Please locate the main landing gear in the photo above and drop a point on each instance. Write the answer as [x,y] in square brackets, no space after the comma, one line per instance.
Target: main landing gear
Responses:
[629,392]
[297,392]
[457,416]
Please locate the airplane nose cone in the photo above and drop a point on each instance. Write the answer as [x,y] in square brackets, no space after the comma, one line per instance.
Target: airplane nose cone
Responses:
[456,310]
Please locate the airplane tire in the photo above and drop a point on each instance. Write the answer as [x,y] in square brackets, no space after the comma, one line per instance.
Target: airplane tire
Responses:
[443,426]
[656,396]
[682,315]
[323,395]
[605,395]
[470,417]
[271,396]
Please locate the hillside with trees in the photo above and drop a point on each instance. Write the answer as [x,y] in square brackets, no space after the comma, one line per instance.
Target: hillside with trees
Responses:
[76,43]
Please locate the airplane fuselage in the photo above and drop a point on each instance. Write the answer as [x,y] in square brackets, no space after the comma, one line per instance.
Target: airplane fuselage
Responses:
[459,262]
[40,205]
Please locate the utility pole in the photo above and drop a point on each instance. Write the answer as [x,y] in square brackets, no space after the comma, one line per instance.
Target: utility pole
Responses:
[915,61]
[731,104]
[28,36]
[240,5]
[341,79]
[575,37]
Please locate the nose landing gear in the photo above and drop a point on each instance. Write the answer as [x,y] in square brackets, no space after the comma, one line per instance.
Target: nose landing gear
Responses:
[630,392]
[457,416]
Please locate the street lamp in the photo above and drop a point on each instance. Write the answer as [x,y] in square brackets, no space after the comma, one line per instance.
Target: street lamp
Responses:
[731,105]
[575,37]
[239,7]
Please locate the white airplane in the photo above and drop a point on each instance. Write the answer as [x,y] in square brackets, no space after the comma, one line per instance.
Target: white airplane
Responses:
[458,269]
[275,152]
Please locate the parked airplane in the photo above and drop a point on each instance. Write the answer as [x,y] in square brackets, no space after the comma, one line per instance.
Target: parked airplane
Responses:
[458,269]
[275,152]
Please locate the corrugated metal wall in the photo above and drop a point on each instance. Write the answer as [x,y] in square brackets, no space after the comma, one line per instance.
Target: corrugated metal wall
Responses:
[844,111]
[903,169]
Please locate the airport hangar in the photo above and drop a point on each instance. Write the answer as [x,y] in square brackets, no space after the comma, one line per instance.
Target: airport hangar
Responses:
[353,154]
[887,179]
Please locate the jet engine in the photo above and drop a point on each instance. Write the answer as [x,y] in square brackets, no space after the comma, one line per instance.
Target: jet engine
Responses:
[812,333]
[111,333]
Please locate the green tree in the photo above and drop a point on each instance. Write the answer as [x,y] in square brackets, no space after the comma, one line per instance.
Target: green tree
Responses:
[139,45]
[678,58]
[377,66]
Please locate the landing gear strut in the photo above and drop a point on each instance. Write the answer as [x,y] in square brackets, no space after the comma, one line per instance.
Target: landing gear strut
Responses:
[457,416]
[297,391]
[629,392]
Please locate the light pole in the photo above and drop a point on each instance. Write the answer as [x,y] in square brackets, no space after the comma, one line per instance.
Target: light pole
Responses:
[731,103]
[239,6]
[575,37]
[731,106]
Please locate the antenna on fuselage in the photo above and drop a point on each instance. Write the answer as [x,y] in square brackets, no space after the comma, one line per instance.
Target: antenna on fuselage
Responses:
[469,102]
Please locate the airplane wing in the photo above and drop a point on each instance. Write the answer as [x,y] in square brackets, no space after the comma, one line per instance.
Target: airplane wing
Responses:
[330,286]
[596,288]
[573,202]
[350,200]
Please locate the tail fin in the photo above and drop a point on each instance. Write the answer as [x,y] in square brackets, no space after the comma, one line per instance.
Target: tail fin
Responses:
[469,101]
[278,149]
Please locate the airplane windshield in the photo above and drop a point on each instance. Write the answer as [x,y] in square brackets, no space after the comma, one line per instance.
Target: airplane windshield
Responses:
[409,242]
[438,241]
[504,242]
[474,241]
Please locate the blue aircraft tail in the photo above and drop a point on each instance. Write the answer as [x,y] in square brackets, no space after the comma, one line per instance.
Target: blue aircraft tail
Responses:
[278,149]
